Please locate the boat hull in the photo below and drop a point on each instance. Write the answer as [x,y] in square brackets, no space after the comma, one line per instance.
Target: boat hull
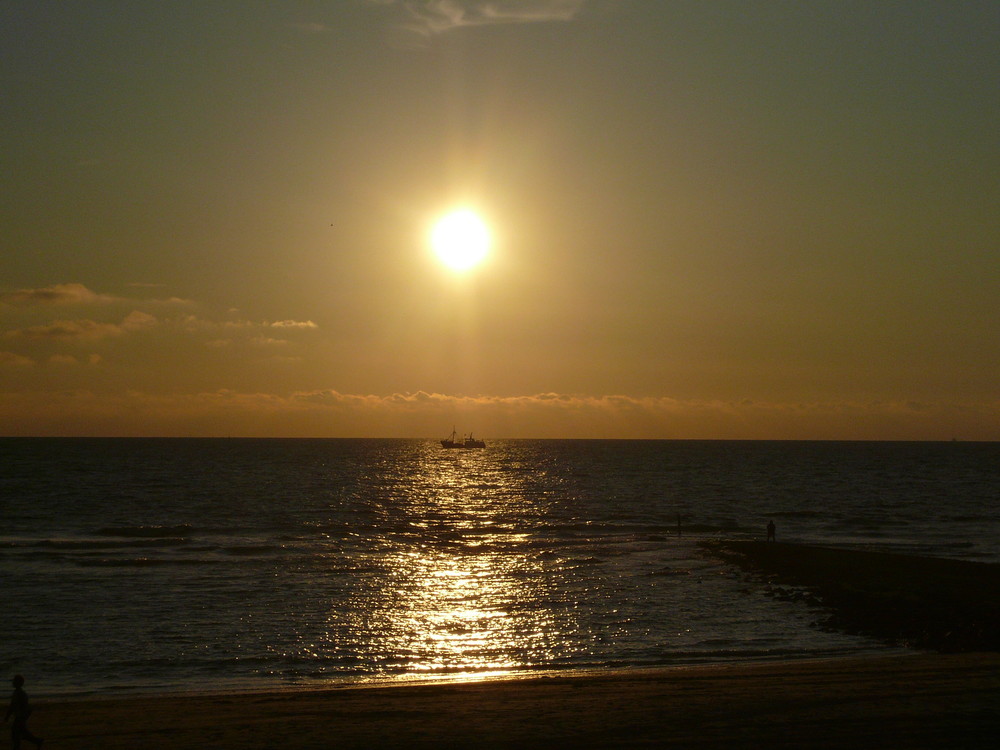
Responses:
[466,442]
[465,445]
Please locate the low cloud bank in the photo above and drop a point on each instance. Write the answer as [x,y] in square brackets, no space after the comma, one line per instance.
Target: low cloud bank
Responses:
[329,413]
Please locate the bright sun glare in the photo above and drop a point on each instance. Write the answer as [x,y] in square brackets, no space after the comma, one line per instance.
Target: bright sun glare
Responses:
[460,239]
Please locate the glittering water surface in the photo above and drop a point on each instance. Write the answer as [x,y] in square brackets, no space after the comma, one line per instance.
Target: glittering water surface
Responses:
[170,564]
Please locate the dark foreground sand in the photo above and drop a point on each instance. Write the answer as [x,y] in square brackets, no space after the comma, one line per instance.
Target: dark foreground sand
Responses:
[921,700]
[914,701]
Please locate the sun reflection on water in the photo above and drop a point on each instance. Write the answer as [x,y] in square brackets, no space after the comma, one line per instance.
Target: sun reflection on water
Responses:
[464,592]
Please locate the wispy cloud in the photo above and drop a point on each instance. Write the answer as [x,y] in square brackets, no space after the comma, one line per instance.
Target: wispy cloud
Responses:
[233,332]
[78,294]
[57,294]
[193,323]
[430,17]
[83,330]
[267,341]
[174,312]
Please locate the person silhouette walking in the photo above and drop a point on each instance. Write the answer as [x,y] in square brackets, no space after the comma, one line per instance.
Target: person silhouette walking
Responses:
[21,710]
[770,531]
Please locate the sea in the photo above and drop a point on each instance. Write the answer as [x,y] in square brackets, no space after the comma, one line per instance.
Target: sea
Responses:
[132,566]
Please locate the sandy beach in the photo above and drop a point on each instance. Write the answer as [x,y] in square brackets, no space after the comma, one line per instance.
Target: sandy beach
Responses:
[910,701]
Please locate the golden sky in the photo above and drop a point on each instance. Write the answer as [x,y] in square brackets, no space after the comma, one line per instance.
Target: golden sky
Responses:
[720,219]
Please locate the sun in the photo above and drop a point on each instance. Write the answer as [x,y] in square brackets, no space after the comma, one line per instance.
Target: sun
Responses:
[460,239]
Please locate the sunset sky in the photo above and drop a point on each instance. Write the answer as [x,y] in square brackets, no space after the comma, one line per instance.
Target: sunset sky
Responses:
[724,219]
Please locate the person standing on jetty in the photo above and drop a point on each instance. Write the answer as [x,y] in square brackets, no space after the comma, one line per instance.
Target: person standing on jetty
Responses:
[770,531]
[21,710]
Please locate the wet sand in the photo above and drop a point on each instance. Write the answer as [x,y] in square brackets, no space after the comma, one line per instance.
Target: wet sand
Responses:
[922,602]
[917,700]
[911,701]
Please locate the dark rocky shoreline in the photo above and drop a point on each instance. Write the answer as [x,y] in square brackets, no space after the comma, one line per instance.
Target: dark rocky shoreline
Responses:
[920,602]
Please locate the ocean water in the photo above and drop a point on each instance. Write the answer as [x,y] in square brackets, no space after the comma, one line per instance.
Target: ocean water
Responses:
[137,565]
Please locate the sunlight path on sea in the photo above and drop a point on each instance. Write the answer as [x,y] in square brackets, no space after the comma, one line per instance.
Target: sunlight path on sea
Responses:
[465,592]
